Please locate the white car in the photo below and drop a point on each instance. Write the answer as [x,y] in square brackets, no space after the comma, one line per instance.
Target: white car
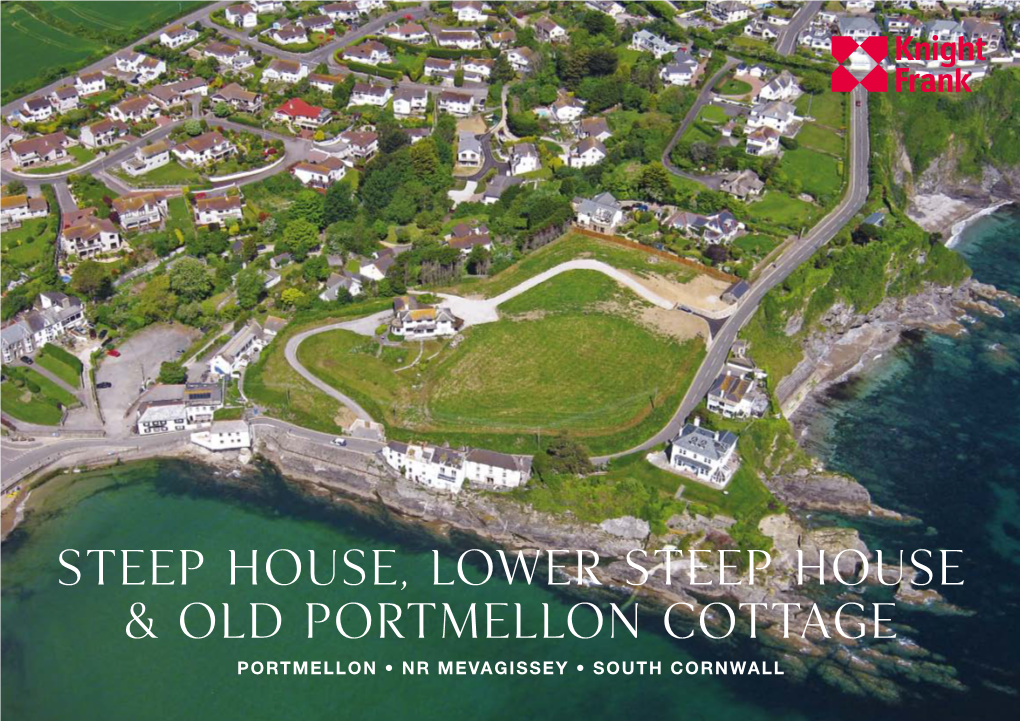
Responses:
[339,441]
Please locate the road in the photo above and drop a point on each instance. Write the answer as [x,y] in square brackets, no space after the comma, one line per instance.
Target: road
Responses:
[797,253]
[703,98]
[786,43]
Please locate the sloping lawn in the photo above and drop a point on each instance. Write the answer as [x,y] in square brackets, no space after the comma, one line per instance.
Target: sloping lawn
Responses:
[60,369]
[815,136]
[778,208]
[818,173]
[826,108]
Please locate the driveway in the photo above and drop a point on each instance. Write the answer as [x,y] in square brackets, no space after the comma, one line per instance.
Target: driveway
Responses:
[139,361]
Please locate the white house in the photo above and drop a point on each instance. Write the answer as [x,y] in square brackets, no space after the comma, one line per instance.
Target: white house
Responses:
[410,101]
[648,42]
[36,110]
[944,31]
[264,7]
[238,98]
[284,71]
[760,29]
[586,152]
[722,227]
[243,15]
[351,282]
[734,395]
[408,32]
[524,158]
[596,128]
[782,87]
[679,71]
[177,36]
[144,67]
[224,436]
[243,347]
[234,57]
[603,213]
[140,210]
[218,209]
[15,209]
[470,11]
[289,34]
[369,94]
[456,103]
[412,321]
[477,70]
[469,149]
[325,83]
[39,149]
[460,39]
[321,174]
[171,408]
[441,68]
[87,236]
[341,12]
[432,466]
[728,11]
[51,316]
[743,185]
[206,148]
[708,456]
[362,144]
[135,110]
[370,52]
[496,469]
[501,39]
[521,59]
[316,23]
[762,141]
[778,115]
[548,31]
[64,98]
[566,109]
[90,83]
[859,28]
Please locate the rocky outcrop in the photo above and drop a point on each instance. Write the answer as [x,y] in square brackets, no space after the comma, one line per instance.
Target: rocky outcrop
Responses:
[826,492]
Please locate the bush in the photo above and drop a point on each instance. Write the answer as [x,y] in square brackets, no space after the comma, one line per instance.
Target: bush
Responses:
[55,351]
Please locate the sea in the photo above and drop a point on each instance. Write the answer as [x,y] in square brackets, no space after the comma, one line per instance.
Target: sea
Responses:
[932,430]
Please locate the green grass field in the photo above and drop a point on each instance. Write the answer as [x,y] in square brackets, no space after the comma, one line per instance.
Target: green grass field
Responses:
[31,46]
[756,245]
[56,366]
[173,173]
[40,407]
[814,136]
[713,114]
[826,108]
[775,207]
[732,86]
[818,173]
[557,362]
[30,244]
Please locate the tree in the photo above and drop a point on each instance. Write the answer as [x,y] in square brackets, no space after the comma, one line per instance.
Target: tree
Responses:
[564,455]
[315,269]
[292,296]
[15,187]
[193,128]
[222,110]
[717,254]
[502,70]
[656,182]
[172,373]
[156,302]
[249,249]
[424,158]
[339,204]
[458,77]
[91,280]
[342,92]
[250,287]
[308,206]
[301,236]
[479,260]
[343,296]
[189,279]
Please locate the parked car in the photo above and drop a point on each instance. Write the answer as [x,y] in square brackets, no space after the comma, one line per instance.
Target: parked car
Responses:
[339,441]
[102,334]
[27,361]
[101,386]
[113,352]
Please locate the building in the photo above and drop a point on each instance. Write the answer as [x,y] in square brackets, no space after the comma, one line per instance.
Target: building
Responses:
[586,152]
[778,115]
[469,149]
[989,32]
[320,174]
[751,71]
[762,141]
[566,109]
[341,12]
[36,110]
[477,70]
[351,282]
[297,112]
[64,98]
[207,148]
[370,52]
[238,98]
[289,34]
[445,70]
[596,128]
[735,395]
[761,29]
[548,31]
[680,70]
[410,101]
[497,186]
[859,28]
[648,42]
[166,96]
[135,110]
[904,25]
[743,185]
[465,244]
[460,39]
[316,23]
[728,11]
[432,466]
[90,83]
[144,68]
[470,11]
[40,149]
[502,39]
[218,209]
[408,32]
[52,315]
[243,347]
[416,134]
[412,321]
[325,83]
[524,158]
[361,144]
[782,87]
[140,209]
[85,235]
[224,436]
[944,31]
[15,209]
[500,470]
[173,408]
[521,59]
[456,103]
[243,15]
[177,36]
[708,456]
[234,57]
[719,228]
[603,213]
[370,94]
[284,71]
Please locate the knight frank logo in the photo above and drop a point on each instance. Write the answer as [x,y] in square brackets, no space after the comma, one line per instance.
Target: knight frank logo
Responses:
[945,55]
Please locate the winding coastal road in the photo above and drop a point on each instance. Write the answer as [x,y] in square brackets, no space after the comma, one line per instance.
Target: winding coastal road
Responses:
[786,43]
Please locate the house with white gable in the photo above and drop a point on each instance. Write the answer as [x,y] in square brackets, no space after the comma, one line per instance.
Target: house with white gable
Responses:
[722,227]
[206,148]
[370,94]
[351,282]
[408,32]
[548,31]
[596,128]
[944,31]
[522,59]
[727,12]
[497,470]
[39,149]
[242,348]
[265,7]
[145,68]
[242,15]
[762,141]
[456,103]
[224,436]
[15,209]
[460,39]
[778,115]
[470,11]
[603,213]
[409,101]
[445,70]
[370,52]
[86,236]
[177,36]
[859,28]
[761,29]
[320,174]
[36,110]
[146,158]
[234,57]
[566,109]
[285,71]
[735,395]
[469,149]
[680,70]
[51,316]
[608,7]
[439,468]
[782,87]
[218,209]
[135,110]
[415,321]
[140,209]
[289,34]
[586,152]
[524,158]
[648,42]
[477,70]
[64,98]
[344,12]
[90,83]
[708,456]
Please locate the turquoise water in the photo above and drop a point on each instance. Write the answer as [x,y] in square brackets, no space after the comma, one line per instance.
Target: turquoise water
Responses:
[934,432]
